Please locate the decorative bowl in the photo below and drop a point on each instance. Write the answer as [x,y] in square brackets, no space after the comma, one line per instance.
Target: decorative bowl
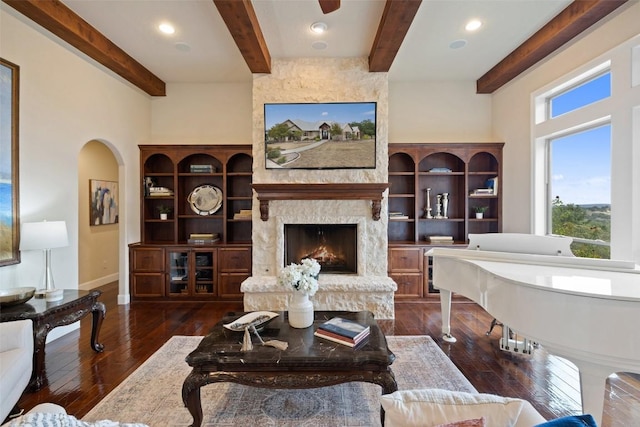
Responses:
[16,296]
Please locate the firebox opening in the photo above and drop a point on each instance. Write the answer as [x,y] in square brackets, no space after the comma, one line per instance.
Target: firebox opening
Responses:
[334,246]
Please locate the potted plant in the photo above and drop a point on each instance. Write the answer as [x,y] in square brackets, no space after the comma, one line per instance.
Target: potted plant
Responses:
[480,210]
[164,210]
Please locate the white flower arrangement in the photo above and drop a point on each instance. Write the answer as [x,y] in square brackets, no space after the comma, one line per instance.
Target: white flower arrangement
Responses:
[301,277]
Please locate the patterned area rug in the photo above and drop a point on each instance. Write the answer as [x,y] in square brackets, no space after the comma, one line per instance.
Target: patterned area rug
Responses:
[152,394]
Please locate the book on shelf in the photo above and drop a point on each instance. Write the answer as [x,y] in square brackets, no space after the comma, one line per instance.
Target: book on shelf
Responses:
[243,214]
[492,183]
[202,168]
[440,239]
[345,328]
[202,241]
[482,192]
[203,235]
[340,339]
[398,215]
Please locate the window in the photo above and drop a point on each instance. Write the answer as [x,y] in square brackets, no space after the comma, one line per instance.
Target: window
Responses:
[580,190]
[585,157]
[584,94]
[577,196]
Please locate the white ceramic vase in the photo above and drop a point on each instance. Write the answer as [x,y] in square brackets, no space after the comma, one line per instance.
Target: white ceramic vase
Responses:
[300,310]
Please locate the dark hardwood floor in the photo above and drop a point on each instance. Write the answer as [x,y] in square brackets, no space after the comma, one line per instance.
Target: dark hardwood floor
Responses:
[78,378]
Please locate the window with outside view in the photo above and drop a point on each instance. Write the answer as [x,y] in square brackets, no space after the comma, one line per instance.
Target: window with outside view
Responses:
[580,190]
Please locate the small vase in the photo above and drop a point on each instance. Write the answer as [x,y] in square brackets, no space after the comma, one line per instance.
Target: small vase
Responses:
[164,216]
[300,310]
[479,215]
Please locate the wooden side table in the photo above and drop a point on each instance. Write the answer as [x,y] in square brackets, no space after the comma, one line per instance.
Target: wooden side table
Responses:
[75,305]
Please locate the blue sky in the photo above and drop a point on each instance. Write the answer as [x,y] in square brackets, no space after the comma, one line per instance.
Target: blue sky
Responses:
[338,112]
[581,172]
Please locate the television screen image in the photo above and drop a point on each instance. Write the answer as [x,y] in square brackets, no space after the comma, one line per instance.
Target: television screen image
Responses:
[340,135]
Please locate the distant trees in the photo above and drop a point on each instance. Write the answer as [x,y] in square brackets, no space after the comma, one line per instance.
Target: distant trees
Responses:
[336,131]
[367,127]
[593,223]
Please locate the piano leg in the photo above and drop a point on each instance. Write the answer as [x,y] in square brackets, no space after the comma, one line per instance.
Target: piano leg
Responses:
[593,380]
[445,307]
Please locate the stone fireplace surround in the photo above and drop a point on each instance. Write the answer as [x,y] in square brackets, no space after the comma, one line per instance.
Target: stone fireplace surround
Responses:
[321,80]
[365,291]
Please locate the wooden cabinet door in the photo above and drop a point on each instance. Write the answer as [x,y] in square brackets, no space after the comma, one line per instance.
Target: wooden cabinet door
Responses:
[229,285]
[409,285]
[407,259]
[147,259]
[147,284]
[235,259]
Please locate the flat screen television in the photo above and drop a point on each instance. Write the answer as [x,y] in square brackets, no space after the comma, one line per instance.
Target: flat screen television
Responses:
[335,135]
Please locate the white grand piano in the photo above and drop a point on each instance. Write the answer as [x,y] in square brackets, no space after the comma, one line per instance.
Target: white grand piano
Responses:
[585,310]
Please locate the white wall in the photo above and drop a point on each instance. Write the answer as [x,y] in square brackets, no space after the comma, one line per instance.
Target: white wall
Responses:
[203,114]
[438,112]
[67,100]
[512,124]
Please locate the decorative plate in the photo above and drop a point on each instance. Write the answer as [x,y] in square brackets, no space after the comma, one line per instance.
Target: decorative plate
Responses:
[205,199]
[256,318]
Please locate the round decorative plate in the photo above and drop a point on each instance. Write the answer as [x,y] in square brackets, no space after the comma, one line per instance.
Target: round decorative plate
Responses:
[205,199]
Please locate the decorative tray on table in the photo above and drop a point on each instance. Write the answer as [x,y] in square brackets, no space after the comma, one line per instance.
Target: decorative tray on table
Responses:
[256,318]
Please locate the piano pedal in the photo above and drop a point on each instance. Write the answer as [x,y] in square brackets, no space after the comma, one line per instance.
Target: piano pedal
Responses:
[516,346]
[494,323]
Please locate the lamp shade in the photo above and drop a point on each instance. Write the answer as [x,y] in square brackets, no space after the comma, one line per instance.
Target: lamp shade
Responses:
[43,235]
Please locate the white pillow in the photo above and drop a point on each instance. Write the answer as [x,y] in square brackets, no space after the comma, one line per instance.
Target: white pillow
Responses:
[430,407]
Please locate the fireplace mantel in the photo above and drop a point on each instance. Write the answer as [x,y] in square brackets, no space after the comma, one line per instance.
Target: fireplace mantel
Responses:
[324,191]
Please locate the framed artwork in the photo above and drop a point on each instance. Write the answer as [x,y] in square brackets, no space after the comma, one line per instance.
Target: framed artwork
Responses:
[103,202]
[331,135]
[9,198]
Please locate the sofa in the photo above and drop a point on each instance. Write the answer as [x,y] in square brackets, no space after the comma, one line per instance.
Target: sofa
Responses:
[437,407]
[444,408]
[16,362]
[52,415]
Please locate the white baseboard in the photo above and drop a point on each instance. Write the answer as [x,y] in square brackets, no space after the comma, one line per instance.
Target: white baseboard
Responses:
[99,282]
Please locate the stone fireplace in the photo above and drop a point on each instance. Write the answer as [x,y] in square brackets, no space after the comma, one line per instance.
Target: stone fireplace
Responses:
[334,246]
[354,197]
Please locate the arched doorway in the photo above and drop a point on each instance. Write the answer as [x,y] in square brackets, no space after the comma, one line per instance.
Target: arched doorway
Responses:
[99,198]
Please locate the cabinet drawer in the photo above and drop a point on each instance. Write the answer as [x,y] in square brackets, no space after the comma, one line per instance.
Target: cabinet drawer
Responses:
[147,259]
[409,285]
[405,259]
[229,285]
[234,259]
[147,284]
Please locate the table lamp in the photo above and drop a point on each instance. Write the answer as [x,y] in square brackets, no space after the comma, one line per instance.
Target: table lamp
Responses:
[45,235]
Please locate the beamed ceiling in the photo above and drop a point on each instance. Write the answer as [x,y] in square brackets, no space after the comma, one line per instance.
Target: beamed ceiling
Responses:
[400,31]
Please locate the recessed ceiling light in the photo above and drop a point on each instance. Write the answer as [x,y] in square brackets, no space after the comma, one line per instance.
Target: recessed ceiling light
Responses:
[473,25]
[166,28]
[457,44]
[319,45]
[319,27]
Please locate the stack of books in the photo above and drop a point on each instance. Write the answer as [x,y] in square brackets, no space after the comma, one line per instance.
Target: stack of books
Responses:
[482,192]
[398,215]
[203,238]
[243,214]
[202,169]
[343,331]
[160,191]
[440,240]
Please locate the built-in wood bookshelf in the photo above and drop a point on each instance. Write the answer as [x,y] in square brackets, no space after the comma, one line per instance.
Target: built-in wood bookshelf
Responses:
[167,264]
[459,172]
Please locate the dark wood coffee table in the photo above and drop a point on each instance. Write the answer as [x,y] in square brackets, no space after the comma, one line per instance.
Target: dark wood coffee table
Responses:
[308,362]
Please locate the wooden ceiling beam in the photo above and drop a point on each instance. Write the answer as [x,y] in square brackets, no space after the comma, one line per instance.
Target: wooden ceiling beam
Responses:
[574,19]
[57,18]
[394,24]
[242,22]
[329,6]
